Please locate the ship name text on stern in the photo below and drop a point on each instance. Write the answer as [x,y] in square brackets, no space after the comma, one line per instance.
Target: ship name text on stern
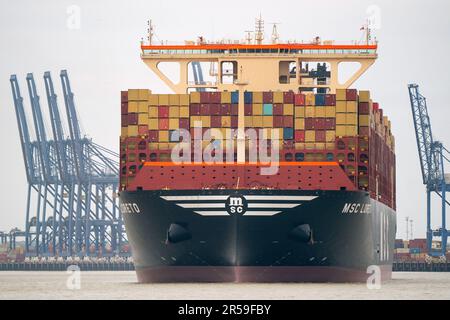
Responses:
[131,208]
[356,208]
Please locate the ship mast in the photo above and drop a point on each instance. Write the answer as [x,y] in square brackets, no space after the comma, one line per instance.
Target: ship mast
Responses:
[259,30]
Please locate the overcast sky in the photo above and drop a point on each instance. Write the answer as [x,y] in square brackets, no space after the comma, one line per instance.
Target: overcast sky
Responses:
[100,50]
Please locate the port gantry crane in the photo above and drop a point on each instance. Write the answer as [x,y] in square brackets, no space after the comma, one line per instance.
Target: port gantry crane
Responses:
[433,157]
[74,179]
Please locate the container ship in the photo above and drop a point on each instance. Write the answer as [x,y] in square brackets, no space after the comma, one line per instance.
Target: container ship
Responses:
[271,170]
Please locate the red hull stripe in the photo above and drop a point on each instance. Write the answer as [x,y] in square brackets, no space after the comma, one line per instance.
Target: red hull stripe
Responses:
[281,164]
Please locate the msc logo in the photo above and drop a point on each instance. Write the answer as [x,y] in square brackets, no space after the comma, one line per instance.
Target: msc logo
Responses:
[236,204]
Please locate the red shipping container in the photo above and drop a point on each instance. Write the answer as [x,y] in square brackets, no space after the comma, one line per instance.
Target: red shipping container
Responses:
[288,97]
[330,99]
[153,136]
[123,96]
[268,97]
[330,124]
[205,97]
[310,123]
[132,119]
[143,130]
[320,135]
[375,106]
[248,109]
[216,121]
[205,109]
[124,108]
[194,109]
[163,112]
[124,120]
[320,124]
[214,109]
[363,108]
[364,131]
[288,121]
[234,109]
[351,95]
[225,109]
[163,124]
[234,121]
[300,99]
[278,109]
[215,97]
[278,121]
[184,123]
[299,136]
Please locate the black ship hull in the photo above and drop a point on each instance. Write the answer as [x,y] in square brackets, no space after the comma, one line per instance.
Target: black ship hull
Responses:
[258,235]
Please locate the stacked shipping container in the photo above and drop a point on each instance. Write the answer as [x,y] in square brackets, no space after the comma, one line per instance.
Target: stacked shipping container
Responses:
[345,127]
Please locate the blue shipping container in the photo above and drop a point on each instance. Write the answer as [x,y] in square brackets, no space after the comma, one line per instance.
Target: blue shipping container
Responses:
[320,99]
[268,109]
[235,97]
[248,97]
[288,133]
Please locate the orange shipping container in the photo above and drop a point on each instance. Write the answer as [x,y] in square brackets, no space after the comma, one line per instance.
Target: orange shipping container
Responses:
[184,112]
[153,124]
[174,100]
[320,112]
[267,121]
[132,107]
[195,97]
[341,94]
[153,100]
[143,107]
[341,106]
[163,99]
[174,112]
[288,109]
[163,136]
[299,124]
[299,112]
[153,112]
[352,106]
[310,136]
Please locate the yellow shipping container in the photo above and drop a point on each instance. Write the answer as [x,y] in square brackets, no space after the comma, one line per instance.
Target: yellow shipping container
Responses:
[184,100]
[288,109]
[174,112]
[133,107]
[226,121]
[143,107]
[330,146]
[163,136]
[142,119]
[299,146]
[152,112]
[153,100]
[310,100]
[352,119]
[299,124]
[133,131]
[299,112]
[163,99]
[352,106]
[330,112]
[248,121]
[267,121]
[225,97]
[278,97]
[257,97]
[340,130]
[257,121]
[310,136]
[133,94]
[341,106]
[341,94]
[174,124]
[195,120]
[163,146]
[341,118]
[184,112]
[124,132]
[320,145]
[195,97]
[351,131]
[206,121]
[310,112]
[309,146]
[364,120]
[153,146]
[174,99]
[330,136]
[152,124]
[320,112]
[257,109]
[364,96]
[143,94]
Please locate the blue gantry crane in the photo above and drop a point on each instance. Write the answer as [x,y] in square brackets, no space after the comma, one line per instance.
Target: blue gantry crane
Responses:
[73,180]
[433,158]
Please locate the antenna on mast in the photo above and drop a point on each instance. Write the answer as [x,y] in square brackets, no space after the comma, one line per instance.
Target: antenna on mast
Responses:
[259,30]
[150,31]
[275,34]
[248,37]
